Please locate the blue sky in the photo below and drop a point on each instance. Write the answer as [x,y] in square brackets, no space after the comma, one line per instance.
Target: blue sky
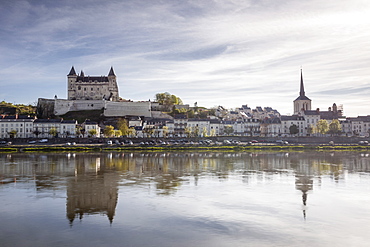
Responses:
[214,52]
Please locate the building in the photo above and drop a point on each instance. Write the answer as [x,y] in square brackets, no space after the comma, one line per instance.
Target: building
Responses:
[43,128]
[295,120]
[91,127]
[81,87]
[17,126]
[302,103]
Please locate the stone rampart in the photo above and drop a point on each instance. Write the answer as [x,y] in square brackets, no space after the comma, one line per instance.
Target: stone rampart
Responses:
[62,106]
[117,109]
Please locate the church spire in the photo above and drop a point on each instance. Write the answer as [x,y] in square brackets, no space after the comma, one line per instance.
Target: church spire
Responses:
[301,92]
[111,72]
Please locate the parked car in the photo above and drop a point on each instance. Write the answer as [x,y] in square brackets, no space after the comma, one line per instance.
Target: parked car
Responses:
[32,142]
[43,140]
[109,142]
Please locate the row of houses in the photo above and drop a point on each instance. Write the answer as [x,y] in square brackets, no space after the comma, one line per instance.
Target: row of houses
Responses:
[29,127]
[181,126]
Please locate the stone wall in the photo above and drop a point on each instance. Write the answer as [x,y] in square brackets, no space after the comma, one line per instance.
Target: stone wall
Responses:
[62,106]
[45,108]
[111,109]
[117,109]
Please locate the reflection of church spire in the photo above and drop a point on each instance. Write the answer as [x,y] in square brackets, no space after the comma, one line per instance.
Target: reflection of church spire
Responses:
[304,183]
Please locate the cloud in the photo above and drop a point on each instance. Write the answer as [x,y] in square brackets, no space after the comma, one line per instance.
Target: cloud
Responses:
[224,52]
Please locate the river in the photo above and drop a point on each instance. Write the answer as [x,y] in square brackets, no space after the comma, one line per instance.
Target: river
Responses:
[185,199]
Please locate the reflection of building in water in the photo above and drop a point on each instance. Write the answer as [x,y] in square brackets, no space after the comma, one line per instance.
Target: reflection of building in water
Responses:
[92,191]
[304,182]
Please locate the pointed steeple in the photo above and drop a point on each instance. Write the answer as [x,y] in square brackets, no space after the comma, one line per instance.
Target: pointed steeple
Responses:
[301,92]
[72,72]
[82,74]
[111,72]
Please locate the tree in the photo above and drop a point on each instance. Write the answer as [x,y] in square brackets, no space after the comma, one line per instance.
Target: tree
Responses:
[165,131]
[13,133]
[322,126]
[53,132]
[132,132]
[212,132]
[149,130]
[109,131]
[37,133]
[168,100]
[117,133]
[195,131]
[311,129]
[78,130]
[92,132]
[293,129]
[122,125]
[335,127]
[188,131]
[204,132]
[228,129]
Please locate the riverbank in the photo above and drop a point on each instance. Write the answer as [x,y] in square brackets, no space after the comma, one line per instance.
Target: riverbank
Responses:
[159,148]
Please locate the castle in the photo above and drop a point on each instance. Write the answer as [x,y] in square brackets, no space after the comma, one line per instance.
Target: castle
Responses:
[81,87]
[92,93]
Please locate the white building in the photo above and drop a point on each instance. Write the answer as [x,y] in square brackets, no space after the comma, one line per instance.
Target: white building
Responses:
[22,126]
[64,128]
[88,126]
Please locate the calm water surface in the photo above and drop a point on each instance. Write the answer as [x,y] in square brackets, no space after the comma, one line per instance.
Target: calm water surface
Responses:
[185,199]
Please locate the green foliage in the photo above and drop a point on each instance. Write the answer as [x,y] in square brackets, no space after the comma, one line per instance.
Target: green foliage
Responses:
[322,126]
[122,125]
[132,132]
[53,132]
[117,133]
[188,131]
[335,127]
[165,131]
[311,129]
[168,99]
[228,129]
[204,132]
[13,133]
[92,132]
[81,116]
[293,129]
[20,108]
[109,131]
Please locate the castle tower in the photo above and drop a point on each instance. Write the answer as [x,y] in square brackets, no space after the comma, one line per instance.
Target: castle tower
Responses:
[81,87]
[113,87]
[302,103]
[72,78]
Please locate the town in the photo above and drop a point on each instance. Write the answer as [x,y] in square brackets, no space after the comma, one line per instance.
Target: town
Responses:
[94,109]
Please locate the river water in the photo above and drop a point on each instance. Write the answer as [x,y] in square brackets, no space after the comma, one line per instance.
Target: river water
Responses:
[185,199]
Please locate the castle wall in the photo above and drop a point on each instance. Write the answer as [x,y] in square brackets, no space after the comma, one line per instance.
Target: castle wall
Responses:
[62,106]
[111,109]
[45,108]
[115,109]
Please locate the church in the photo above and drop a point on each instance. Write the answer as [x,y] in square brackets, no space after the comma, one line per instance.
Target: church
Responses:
[81,87]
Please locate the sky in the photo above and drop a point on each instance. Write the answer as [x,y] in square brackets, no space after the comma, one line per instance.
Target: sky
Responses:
[213,52]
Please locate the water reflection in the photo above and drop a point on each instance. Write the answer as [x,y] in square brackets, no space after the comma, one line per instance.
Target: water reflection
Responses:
[92,180]
[93,189]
